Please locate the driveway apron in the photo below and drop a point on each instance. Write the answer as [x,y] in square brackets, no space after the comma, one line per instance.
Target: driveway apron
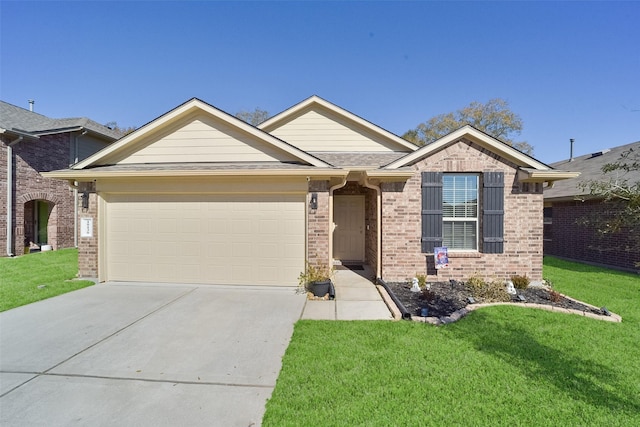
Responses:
[145,355]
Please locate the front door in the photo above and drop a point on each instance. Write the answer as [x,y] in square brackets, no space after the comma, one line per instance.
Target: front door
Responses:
[348,232]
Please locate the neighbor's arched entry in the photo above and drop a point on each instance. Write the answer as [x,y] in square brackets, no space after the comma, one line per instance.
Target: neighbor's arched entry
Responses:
[37,215]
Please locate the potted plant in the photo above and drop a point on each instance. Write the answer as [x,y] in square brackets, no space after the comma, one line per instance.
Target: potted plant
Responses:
[316,279]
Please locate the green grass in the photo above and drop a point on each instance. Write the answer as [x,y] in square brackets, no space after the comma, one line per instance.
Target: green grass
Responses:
[21,278]
[498,366]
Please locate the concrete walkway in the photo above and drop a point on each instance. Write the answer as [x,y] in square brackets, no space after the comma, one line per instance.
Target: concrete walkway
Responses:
[357,298]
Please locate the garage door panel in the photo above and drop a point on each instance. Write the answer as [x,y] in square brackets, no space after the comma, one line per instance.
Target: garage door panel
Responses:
[205,239]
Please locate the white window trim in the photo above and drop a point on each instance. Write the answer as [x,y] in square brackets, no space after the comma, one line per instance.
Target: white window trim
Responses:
[468,219]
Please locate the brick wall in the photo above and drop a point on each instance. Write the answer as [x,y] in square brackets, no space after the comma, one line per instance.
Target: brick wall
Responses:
[318,224]
[32,156]
[401,222]
[569,239]
[88,246]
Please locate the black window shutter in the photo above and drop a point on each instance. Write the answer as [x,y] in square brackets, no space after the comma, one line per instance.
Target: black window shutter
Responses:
[493,213]
[431,211]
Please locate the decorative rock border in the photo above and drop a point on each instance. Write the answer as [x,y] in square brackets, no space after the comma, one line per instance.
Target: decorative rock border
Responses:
[459,314]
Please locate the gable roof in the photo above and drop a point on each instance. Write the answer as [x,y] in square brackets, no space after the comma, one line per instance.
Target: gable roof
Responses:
[530,169]
[23,121]
[315,103]
[135,141]
[590,168]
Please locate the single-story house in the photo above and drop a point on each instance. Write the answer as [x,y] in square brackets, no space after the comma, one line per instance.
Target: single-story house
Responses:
[568,204]
[37,211]
[200,196]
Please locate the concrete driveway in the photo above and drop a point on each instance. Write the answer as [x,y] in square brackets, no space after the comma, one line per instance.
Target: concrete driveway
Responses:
[145,355]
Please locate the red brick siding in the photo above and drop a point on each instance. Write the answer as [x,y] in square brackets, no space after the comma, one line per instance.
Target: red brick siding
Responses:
[31,157]
[569,239]
[401,222]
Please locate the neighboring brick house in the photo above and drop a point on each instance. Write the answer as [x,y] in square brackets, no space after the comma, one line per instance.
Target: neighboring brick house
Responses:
[199,196]
[35,210]
[567,204]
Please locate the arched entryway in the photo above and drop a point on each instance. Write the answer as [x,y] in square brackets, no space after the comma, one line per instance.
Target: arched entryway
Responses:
[36,222]
[355,224]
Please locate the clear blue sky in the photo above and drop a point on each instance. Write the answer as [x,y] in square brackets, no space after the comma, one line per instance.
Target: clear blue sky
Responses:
[569,69]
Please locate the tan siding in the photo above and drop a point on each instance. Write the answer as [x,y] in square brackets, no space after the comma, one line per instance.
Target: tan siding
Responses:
[205,185]
[205,140]
[317,130]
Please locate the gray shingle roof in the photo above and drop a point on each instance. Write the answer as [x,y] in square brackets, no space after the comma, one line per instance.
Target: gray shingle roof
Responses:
[20,119]
[370,160]
[590,168]
[201,166]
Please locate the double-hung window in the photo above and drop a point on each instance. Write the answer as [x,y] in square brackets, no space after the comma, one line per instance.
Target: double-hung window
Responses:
[452,215]
[460,211]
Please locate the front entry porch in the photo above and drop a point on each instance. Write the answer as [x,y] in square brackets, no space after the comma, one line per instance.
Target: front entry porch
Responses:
[354,227]
[357,298]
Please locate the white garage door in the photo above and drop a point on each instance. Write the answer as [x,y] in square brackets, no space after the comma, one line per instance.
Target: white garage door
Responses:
[244,239]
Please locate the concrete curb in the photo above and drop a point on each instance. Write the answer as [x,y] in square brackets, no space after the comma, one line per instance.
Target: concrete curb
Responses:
[459,314]
[393,308]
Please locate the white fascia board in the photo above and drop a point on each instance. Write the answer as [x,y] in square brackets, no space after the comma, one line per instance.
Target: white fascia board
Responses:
[188,108]
[532,175]
[271,124]
[474,135]
[91,174]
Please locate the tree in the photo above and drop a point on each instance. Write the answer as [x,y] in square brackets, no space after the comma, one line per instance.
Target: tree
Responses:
[254,117]
[121,130]
[619,187]
[494,118]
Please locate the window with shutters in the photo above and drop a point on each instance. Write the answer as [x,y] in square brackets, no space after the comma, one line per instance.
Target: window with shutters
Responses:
[453,217]
[460,211]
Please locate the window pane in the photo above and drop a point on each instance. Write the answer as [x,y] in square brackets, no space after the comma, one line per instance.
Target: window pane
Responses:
[460,211]
[459,235]
[460,196]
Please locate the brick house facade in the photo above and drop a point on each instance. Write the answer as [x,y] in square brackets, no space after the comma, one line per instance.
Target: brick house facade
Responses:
[401,226]
[363,198]
[568,205]
[41,210]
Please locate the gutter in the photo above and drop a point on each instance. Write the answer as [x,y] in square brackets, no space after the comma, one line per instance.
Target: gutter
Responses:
[80,174]
[10,185]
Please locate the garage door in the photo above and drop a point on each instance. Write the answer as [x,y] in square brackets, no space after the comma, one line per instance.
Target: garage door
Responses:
[205,239]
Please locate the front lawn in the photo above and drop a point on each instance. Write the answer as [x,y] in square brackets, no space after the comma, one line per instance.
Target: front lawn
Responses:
[497,366]
[38,276]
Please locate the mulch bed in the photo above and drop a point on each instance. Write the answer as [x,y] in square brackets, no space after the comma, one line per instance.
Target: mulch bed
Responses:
[452,296]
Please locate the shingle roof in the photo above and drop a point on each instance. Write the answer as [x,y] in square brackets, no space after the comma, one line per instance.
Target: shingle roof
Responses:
[201,166]
[20,119]
[370,160]
[590,168]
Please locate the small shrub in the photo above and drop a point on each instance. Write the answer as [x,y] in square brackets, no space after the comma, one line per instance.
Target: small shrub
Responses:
[554,296]
[314,273]
[493,291]
[520,282]
[422,280]
[475,282]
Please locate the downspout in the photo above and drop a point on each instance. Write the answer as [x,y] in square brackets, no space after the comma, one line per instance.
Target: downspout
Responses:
[76,149]
[331,190]
[10,185]
[378,226]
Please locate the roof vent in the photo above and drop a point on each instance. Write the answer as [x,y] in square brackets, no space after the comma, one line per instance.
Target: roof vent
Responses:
[599,153]
[31,102]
